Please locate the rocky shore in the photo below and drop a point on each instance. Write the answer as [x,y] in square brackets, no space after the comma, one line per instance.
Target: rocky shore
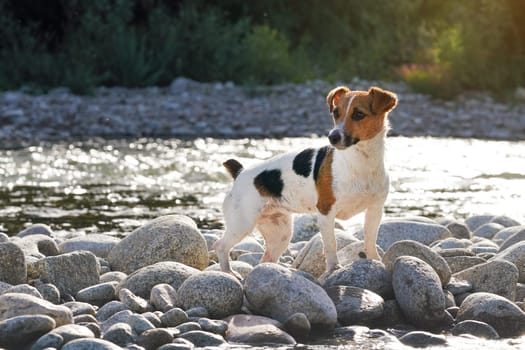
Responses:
[190,109]
[160,288]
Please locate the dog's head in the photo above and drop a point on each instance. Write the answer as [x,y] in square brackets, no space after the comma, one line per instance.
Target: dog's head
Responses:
[358,115]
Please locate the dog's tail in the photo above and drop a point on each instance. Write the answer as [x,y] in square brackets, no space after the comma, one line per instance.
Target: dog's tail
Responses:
[233,167]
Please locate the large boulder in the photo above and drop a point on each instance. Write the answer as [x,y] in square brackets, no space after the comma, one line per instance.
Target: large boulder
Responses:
[419,293]
[167,238]
[503,315]
[219,293]
[143,280]
[277,292]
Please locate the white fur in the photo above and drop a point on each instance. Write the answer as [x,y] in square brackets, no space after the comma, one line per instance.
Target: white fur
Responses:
[360,183]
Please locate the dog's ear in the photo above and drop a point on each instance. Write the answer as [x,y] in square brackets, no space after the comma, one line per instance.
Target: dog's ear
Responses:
[382,101]
[332,99]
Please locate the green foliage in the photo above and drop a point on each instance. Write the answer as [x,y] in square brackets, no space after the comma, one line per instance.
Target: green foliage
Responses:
[437,46]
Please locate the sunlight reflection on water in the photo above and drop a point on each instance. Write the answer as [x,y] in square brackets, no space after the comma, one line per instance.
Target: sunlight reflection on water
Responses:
[114,186]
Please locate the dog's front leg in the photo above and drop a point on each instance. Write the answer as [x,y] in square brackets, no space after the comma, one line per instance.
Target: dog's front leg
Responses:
[373,217]
[326,226]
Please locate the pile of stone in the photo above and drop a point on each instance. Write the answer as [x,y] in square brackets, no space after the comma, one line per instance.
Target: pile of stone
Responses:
[160,288]
[188,108]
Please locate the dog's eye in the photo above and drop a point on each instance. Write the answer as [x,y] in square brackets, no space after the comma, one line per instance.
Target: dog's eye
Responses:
[358,115]
[335,113]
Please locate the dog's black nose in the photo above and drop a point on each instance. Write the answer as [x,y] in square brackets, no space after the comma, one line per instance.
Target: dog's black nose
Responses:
[334,136]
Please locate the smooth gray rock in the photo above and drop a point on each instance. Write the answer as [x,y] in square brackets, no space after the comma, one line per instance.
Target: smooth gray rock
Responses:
[505,221]
[67,333]
[450,243]
[154,338]
[112,276]
[421,251]
[488,230]
[399,230]
[277,292]
[118,317]
[249,244]
[305,226]
[143,280]
[178,344]
[298,326]
[366,274]
[518,235]
[213,326]
[204,339]
[18,304]
[311,258]
[475,328]
[110,309]
[48,291]
[188,327]
[139,323]
[458,286]
[167,238]
[460,263]
[356,306]
[458,229]
[134,302]
[99,294]
[241,267]
[219,293]
[98,244]
[37,245]
[251,259]
[475,221]
[81,308]
[502,235]
[120,334]
[36,229]
[419,293]
[174,317]
[392,315]
[500,313]
[352,251]
[19,330]
[516,255]
[420,339]
[163,297]
[197,311]
[90,344]
[496,276]
[25,289]
[69,272]
[13,268]
[256,330]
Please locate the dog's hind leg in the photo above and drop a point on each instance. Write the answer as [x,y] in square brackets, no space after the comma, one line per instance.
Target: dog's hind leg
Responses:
[276,228]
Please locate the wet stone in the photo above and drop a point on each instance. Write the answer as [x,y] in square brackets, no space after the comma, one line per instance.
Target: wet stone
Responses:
[420,339]
[475,328]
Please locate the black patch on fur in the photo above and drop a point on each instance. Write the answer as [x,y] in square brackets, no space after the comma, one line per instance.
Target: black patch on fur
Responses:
[233,166]
[362,255]
[321,155]
[302,163]
[269,183]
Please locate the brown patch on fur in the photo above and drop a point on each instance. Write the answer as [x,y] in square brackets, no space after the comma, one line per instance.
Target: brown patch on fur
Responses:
[274,217]
[233,167]
[325,192]
[333,97]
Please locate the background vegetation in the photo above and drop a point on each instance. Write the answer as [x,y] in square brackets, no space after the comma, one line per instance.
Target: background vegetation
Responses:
[437,46]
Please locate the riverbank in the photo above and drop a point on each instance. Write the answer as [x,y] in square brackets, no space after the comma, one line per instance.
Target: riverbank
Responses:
[188,109]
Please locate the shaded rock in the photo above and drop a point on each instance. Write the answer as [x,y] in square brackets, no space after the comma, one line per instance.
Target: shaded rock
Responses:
[500,313]
[458,286]
[188,327]
[516,255]
[178,344]
[110,309]
[69,272]
[167,238]
[311,258]
[420,339]
[351,252]
[197,311]
[139,323]
[84,318]
[80,308]
[48,291]
[475,328]
[219,293]
[251,259]
[112,276]
[134,302]
[419,293]
[458,229]
[451,243]
[25,289]
[249,244]
[36,229]
[120,334]
[518,235]
[502,235]
[143,280]
[154,338]
[413,248]
[505,221]
[20,330]
[399,230]
[298,326]
[256,330]
[496,276]
[475,221]
[392,315]
[163,297]
[17,304]
[174,317]
[203,339]
[363,273]
[277,292]
[355,305]
[13,267]
[460,263]
[4,286]
[213,326]
[37,245]
[98,244]
[118,317]
[305,226]
[90,344]
[67,333]
[241,267]
[488,230]
[99,294]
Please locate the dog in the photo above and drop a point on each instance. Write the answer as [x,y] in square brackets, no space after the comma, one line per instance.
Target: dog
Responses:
[339,180]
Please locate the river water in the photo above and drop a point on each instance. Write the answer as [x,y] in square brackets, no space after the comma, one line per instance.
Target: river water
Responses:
[115,186]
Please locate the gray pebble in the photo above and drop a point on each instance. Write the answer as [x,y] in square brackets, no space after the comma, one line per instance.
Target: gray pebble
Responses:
[110,309]
[174,317]
[120,334]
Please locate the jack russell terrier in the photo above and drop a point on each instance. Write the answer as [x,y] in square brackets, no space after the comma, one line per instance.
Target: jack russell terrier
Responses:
[336,181]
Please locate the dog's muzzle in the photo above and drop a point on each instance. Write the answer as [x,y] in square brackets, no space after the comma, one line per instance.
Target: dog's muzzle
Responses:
[340,139]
